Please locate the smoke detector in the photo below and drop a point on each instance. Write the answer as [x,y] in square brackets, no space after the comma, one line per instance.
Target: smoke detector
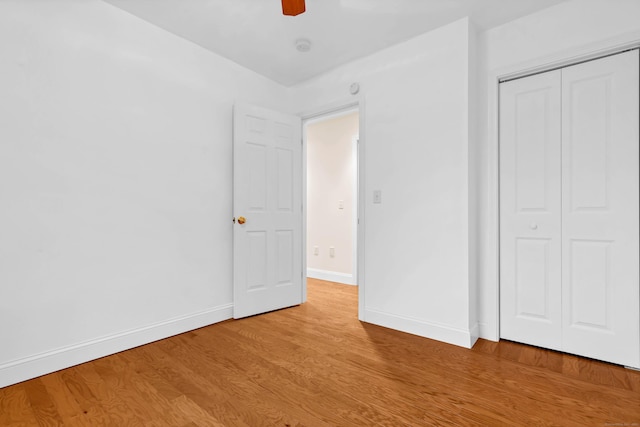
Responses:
[303,45]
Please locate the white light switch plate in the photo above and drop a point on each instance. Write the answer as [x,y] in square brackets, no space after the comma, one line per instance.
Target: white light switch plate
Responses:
[377,196]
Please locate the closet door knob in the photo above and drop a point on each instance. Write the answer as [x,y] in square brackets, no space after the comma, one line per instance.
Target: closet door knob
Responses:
[533,226]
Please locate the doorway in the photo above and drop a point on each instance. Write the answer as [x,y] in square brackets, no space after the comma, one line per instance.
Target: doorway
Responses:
[332,196]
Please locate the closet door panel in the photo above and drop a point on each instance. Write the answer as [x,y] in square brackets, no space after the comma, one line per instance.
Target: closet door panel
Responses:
[600,209]
[530,276]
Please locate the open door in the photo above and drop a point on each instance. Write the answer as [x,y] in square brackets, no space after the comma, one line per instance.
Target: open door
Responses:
[267,204]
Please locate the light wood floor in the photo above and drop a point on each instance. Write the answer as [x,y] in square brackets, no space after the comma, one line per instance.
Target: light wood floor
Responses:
[317,365]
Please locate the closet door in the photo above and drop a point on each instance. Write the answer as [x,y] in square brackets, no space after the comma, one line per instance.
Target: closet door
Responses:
[530,209]
[600,209]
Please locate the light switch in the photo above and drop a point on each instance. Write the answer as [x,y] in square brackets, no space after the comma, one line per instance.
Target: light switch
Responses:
[340,204]
[377,196]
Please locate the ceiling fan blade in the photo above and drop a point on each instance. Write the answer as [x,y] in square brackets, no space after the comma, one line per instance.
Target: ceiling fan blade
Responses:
[293,7]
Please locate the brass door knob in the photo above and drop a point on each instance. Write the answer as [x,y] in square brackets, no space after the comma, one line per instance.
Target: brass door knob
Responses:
[241,220]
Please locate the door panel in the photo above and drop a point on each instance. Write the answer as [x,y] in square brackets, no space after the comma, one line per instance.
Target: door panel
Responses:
[532,284]
[284,257]
[268,193]
[284,166]
[587,130]
[256,260]
[530,206]
[256,158]
[600,210]
[590,287]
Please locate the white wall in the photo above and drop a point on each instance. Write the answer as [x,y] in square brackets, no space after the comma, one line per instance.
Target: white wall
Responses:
[415,138]
[330,179]
[569,30]
[115,182]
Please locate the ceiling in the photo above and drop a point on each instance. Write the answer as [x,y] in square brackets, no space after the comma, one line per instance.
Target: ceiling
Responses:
[255,34]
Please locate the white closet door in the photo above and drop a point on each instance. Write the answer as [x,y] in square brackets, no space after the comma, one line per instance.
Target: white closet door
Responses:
[600,209]
[530,208]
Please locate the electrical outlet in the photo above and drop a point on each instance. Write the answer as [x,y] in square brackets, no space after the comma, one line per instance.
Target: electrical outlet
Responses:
[332,251]
[316,250]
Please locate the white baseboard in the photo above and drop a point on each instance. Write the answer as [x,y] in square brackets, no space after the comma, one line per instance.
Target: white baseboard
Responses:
[487,332]
[34,366]
[330,276]
[474,333]
[460,337]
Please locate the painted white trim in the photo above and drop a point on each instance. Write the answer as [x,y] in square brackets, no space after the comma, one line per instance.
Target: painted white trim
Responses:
[335,109]
[40,364]
[362,191]
[341,112]
[355,209]
[330,276]
[486,332]
[474,334]
[575,56]
[303,123]
[460,337]
[560,59]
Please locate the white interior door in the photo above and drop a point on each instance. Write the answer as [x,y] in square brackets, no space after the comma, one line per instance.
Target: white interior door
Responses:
[267,194]
[600,209]
[530,208]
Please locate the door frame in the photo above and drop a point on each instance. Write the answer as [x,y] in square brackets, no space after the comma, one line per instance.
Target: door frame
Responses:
[495,77]
[320,113]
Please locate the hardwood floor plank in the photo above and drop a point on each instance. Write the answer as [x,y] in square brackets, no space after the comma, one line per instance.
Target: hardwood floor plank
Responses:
[15,408]
[212,396]
[194,413]
[327,375]
[236,373]
[66,404]
[140,399]
[79,389]
[42,404]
